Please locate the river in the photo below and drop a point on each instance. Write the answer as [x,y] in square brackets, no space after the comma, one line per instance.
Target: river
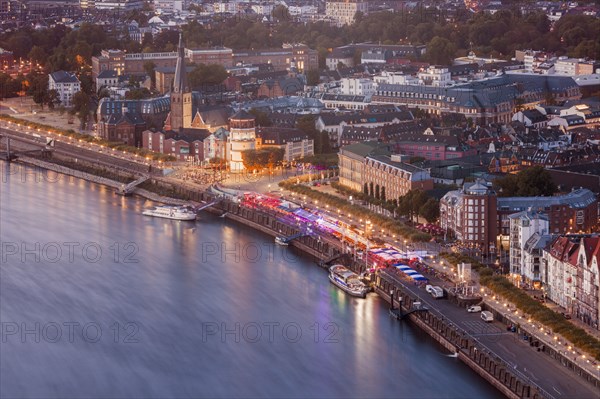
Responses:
[97,300]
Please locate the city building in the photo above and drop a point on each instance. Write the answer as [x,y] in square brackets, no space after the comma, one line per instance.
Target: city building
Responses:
[342,12]
[357,87]
[491,100]
[125,128]
[6,59]
[299,56]
[571,278]
[126,5]
[171,6]
[470,214]
[216,145]
[291,54]
[370,165]
[575,212]
[66,84]
[294,142]
[523,225]
[391,178]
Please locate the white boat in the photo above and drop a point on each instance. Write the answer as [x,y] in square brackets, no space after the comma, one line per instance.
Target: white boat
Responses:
[171,212]
[347,280]
[280,241]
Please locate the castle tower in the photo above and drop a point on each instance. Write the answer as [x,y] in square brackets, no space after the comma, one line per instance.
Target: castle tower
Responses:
[242,136]
[181,95]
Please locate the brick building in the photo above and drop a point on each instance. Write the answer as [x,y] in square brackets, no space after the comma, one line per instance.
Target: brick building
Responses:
[470,214]
[126,128]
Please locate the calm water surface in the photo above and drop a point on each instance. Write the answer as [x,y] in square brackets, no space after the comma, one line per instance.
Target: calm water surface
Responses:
[97,300]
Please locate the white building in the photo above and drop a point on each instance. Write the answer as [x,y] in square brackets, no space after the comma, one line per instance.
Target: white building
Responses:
[119,4]
[342,12]
[66,84]
[435,76]
[523,226]
[242,137]
[396,78]
[357,87]
[170,6]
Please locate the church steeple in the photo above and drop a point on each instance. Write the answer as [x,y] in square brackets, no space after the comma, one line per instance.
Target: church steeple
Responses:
[180,116]
[180,83]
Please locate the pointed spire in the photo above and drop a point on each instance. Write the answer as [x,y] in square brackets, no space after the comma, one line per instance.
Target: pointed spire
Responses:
[180,84]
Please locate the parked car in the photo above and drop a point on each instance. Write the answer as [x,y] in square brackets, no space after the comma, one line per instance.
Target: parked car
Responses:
[487,316]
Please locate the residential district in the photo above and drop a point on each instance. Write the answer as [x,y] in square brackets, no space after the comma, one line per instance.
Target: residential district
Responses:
[505,145]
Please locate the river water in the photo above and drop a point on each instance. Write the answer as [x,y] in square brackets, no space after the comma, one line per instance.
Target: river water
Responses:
[97,300]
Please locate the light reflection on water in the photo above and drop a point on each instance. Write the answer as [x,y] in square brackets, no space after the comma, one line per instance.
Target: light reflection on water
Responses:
[174,294]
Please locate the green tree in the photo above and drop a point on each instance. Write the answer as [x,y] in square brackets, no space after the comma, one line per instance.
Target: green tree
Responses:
[211,75]
[312,77]
[81,107]
[261,118]
[149,68]
[138,93]
[52,99]
[38,55]
[430,210]
[531,182]
[38,88]
[440,51]
[281,13]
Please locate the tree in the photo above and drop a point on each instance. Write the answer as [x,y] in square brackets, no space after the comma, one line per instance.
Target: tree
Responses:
[149,68]
[38,88]
[531,182]
[52,99]
[138,93]
[265,157]
[281,13]
[430,210]
[261,118]
[312,77]
[37,55]
[81,107]
[210,75]
[440,51]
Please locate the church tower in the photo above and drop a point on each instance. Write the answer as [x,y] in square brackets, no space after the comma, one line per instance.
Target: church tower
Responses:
[181,95]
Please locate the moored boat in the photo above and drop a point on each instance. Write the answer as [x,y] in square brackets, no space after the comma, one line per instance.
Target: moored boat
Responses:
[171,212]
[347,280]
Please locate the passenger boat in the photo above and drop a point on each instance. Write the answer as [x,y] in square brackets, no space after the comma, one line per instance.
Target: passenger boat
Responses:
[347,280]
[171,212]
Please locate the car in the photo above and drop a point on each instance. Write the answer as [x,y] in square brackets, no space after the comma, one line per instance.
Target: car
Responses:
[474,309]
[566,316]
[487,316]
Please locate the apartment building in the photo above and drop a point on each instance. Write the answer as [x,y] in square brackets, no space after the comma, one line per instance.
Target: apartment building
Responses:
[66,84]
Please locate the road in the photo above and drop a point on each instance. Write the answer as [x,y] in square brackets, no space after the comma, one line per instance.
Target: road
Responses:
[510,347]
[78,149]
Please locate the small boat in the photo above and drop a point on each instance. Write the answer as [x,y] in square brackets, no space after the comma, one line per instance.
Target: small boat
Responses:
[347,280]
[171,212]
[281,241]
